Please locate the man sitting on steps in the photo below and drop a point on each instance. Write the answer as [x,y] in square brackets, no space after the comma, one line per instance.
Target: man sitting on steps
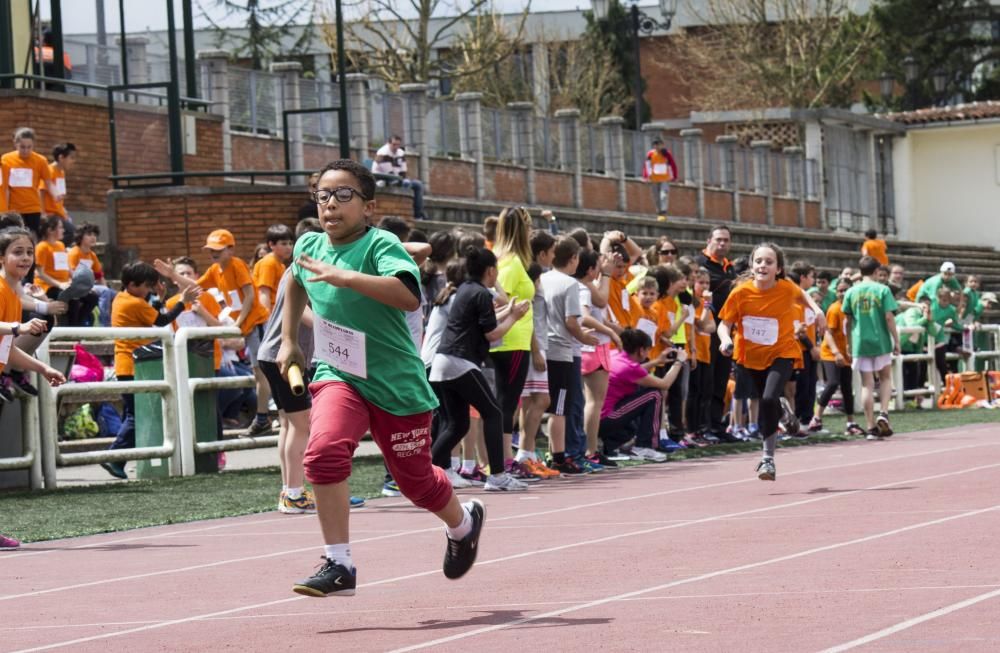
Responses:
[391,160]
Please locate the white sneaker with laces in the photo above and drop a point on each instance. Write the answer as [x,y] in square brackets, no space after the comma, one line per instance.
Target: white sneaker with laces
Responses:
[456,480]
[649,454]
[504,483]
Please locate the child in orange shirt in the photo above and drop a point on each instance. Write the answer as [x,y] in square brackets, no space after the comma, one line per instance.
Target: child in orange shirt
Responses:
[699,385]
[131,308]
[875,247]
[24,171]
[232,276]
[63,159]
[53,273]
[769,348]
[268,270]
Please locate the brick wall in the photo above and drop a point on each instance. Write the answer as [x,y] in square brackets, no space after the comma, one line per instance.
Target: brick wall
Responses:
[505,184]
[718,206]
[554,188]
[141,137]
[453,178]
[168,222]
[600,193]
[753,209]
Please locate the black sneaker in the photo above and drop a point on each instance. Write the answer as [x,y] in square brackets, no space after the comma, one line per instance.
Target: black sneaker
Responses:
[6,389]
[765,470]
[882,424]
[258,428]
[21,383]
[874,434]
[115,469]
[332,579]
[461,554]
[568,467]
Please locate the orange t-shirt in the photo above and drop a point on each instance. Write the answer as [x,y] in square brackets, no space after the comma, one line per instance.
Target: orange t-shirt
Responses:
[53,259]
[914,290]
[624,306]
[666,313]
[836,325]
[58,176]
[190,318]
[765,323]
[877,249]
[702,341]
[78,257]
[130,311]
[267,273]
[3,186]
[10,311]
[231,281]
[646,321]
[23,177]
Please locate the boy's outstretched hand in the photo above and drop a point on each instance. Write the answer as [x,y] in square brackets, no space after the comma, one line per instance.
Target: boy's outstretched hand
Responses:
[191,293]
[331,274]
[53,376]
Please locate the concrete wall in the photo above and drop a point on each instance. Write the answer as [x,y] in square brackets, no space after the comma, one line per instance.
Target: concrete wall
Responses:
[947,182]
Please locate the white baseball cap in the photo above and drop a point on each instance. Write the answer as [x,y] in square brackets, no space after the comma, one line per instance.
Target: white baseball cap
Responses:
[947,266]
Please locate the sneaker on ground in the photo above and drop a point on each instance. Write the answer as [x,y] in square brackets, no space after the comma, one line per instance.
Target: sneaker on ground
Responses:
[618,456]
[874,435]
[602,460]
[456,480]
[667,445]
[9,543]
[765,470]
[332,579]
[22,383]
[692,440]
[583,463]
[540,469]
[304,504]
[504,483]
[258,428]
[522,473]
[357,502]
[651,455]
[115,469]
[727,438]
[391,489]
[461,554]
[477,476]
[882,424]
[815,425]
[568,468]
[853,428]
[753,432]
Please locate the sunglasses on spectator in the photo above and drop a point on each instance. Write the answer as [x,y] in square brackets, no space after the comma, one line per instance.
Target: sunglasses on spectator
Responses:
[667,252]
[343,194]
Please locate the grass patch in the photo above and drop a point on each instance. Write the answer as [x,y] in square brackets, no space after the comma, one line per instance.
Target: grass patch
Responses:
[71,512]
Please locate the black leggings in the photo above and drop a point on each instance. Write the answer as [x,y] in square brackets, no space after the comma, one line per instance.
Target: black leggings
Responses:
[456,395]
[770,384]
[841,377]
[511,371]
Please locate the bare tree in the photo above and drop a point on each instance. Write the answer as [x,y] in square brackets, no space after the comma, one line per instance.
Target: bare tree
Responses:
[267,26]
[585,76]
[761,53]
[490,58]
[403,41]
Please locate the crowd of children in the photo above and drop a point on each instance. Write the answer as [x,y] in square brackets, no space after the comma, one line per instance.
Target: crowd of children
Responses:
[632,354]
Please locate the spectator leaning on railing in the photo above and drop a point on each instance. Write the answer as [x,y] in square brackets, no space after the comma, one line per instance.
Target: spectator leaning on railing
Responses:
[391,160]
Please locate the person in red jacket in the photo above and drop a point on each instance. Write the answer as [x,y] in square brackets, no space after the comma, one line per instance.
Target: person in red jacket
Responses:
[660,169]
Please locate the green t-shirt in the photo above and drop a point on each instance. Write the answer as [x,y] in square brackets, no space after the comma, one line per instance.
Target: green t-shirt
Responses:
[941,314]
[514,279]
[396,381]
[973,305]
[914,317]
[930,287]
[827,299]
[867,303]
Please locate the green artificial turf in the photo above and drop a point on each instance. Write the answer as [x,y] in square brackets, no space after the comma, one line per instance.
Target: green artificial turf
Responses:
[70,512]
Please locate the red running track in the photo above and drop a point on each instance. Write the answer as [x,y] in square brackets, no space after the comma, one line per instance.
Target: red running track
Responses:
[875,546]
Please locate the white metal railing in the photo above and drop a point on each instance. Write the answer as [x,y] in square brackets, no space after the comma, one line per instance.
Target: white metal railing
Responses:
[31,458]
[186,389]
[899,394]
[49,399]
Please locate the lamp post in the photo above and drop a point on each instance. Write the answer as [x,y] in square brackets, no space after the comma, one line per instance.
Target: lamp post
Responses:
[910,71]
[940,81]
[639,23]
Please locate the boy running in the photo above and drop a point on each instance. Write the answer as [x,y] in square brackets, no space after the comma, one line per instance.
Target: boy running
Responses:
[359,281]
[869,308]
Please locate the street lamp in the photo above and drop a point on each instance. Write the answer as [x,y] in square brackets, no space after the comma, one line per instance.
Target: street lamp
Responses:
[886,83]
[940,80]
[639,23]
[910,69]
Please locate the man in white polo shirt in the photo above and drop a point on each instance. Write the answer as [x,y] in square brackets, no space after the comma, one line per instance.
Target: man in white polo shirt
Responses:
[391,160]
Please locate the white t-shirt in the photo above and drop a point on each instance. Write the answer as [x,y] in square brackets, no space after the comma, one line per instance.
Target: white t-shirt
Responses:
[599,314]
[388,162]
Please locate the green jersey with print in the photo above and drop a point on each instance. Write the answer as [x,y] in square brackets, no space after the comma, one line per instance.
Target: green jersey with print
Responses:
[395,379]
[867,303]
[916,342]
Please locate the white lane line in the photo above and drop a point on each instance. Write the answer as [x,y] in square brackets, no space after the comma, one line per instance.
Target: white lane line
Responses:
[436,528]
[298,614]
[375,509]
[563,547]
[910,623]
[695,579]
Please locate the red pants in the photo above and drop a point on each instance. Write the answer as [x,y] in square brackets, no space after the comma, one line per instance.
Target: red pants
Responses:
[339,419]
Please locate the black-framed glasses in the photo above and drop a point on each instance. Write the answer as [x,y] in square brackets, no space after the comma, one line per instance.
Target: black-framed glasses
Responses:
[667,252]
[344,194]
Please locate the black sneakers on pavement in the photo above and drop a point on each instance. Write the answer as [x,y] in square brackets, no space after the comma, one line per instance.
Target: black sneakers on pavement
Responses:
[332,579]
[461,554]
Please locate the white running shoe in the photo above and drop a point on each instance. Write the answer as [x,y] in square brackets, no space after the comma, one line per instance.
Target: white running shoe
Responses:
[457,482]
[651,455]
[504,483]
